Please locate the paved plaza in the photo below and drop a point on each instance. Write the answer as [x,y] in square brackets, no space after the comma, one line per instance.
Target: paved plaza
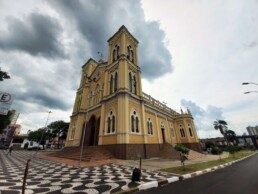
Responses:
[51,177]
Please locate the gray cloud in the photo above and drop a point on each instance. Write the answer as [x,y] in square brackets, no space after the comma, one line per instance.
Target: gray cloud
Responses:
[80,28]
[97,21]
[204,118]
[35,34]
[194,108]
[39,84]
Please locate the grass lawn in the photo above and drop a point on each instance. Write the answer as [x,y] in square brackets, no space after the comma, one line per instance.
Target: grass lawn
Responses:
[201,166]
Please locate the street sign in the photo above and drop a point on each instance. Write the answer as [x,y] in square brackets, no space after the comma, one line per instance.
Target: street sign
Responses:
[6,100]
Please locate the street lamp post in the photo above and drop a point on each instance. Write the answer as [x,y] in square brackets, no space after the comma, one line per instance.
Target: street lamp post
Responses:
[85,125]
[49,112]
[84,130]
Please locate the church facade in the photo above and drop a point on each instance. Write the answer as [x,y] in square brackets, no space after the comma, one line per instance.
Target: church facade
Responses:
[115,113]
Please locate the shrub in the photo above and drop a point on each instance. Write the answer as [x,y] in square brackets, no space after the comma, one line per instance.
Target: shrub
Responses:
[209,144]
[216,150]
[232,149]
[181,148]
[183,153]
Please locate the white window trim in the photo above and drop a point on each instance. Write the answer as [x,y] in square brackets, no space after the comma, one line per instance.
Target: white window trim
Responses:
[181,127]
[136,115]
[189,127]
[106,122]
[150,121]
[172,131]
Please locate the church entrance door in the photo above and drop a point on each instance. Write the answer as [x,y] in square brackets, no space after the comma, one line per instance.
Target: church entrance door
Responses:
[92,132]
[163,135]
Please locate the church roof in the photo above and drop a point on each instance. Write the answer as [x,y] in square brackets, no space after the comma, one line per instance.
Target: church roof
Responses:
[126,30]
[89,61]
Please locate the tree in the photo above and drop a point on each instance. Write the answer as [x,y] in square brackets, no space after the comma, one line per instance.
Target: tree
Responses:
[40,136]
[5,120]
[209,144]
[230,135]
[183,153]
[221,125]
[59,130]
[3,75]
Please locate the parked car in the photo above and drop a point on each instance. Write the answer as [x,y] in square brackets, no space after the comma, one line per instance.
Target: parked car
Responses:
[35,148]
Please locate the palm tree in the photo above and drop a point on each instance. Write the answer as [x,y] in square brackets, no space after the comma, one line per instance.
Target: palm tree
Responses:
[221,125]
[3,75]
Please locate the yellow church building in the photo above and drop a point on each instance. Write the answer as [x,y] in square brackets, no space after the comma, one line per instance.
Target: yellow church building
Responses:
[118,115]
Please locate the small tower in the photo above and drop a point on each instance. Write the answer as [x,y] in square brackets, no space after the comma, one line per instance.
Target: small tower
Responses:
[123,58]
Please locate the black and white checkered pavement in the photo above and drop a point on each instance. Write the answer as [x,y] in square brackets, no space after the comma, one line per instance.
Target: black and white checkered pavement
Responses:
[50,177]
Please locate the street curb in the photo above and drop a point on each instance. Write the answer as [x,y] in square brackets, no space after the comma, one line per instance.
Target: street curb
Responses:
[197,173]
[155,184]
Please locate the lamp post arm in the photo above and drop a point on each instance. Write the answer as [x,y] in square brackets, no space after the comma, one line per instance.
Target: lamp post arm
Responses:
[251,92]
[246,83]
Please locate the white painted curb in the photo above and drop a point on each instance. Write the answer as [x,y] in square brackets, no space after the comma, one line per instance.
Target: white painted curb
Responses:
[186,176]
[148,185]
[172,179]
[199,172]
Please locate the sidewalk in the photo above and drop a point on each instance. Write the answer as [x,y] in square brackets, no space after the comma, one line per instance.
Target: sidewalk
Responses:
[157,163]
[75,163]
[147,164]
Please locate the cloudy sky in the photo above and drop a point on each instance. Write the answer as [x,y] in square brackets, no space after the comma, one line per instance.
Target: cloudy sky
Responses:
[192,54]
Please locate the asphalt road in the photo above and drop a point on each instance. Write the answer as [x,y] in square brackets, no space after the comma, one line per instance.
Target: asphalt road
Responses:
[239,178]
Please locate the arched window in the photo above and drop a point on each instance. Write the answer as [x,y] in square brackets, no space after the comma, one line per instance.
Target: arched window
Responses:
[115,81]
[190,130]
[114,55]
[111,122]
[72,132]
[172,131]
[182,131]
[79,102]
[134,85]
[150,127]
[118,52]
[132,56]
[132,123]
[111,84]
[135,122]
[128,52]
[84,80]
[130,82]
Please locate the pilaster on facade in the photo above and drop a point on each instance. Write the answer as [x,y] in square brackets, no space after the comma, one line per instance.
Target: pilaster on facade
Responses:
[102,124]
[157,127]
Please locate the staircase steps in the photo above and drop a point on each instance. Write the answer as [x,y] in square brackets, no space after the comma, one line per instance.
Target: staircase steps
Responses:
[193,155]
[169,152]
[89,153]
